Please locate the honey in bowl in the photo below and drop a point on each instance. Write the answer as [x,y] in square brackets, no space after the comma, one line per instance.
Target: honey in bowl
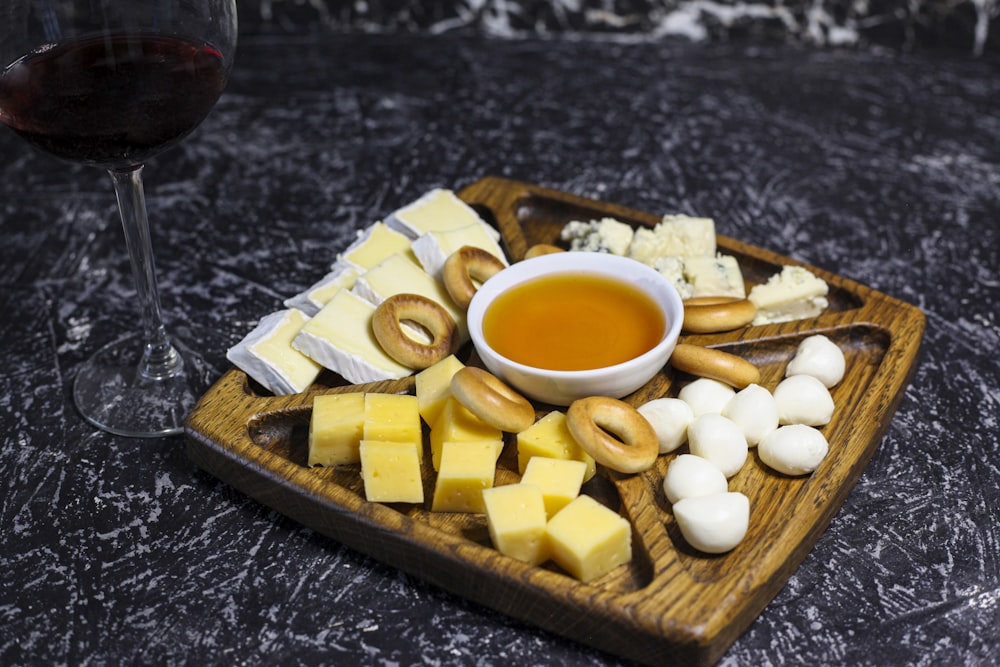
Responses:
[573,322]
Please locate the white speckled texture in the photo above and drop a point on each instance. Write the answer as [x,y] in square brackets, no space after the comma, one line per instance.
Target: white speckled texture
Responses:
[885,169]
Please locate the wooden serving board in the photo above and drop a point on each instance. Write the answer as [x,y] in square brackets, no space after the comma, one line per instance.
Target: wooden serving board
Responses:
[671,604]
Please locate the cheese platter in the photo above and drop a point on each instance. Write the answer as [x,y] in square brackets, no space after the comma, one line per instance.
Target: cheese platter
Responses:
[670,602]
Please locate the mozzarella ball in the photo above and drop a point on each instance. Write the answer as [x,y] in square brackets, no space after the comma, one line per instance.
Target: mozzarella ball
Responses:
[689,476]
[720,441]
[706,396]
[795,450]
[819,357]
[755,411]
[714,524]
[669,417]
[802,399]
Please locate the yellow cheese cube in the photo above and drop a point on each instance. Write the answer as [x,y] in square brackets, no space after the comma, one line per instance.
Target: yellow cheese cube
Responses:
[515,516]
[466,469]
[336,429]
[392,417]
[434,387]
[588,540]
[558,479]
[457,424]
[550,437]
[391,472]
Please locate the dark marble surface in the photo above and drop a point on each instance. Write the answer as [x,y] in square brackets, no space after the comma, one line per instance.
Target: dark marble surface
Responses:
[885,169]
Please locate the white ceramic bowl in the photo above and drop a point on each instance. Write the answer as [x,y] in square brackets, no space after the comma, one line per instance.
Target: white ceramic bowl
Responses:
[563,387]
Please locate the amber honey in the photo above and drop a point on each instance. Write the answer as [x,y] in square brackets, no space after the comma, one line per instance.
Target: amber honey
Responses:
[573,322]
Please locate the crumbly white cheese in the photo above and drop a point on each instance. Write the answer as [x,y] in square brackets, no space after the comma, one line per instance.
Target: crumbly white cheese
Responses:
[266,354]
[714,276]
[340,338]
[672,268]
[674,236]
[604,235]
[434,248]
[341,276]
[793,294]
[437,210]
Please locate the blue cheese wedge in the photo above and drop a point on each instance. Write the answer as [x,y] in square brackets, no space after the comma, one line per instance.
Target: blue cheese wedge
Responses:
[672,268]
[340,338]
[341,276]
[398,275]
[266,354]
[604,235]
[714,276]
[433,248]
[793,294]
[374,243]
[675,235]
[436,211]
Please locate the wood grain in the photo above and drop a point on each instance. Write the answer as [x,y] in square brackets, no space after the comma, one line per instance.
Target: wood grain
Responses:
[671,604]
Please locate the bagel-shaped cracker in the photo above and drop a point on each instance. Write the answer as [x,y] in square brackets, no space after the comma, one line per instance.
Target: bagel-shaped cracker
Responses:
[466,264]
[614,433]
[487,397]
[715,364]
[718,316]
[387,325]
[540,249]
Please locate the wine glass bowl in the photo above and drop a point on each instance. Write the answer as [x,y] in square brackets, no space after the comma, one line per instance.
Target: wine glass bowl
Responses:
[111,84]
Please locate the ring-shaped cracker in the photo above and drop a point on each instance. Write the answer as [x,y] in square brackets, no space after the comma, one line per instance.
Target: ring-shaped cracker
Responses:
[465,265]
[387,325]
[488,398]
[614,433]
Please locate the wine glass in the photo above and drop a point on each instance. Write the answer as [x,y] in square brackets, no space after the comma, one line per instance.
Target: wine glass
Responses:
[111,83]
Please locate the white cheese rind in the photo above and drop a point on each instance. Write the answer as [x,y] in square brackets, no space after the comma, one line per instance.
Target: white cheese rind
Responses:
[675,236]
[714,276]
[437,210]
[604,235]
[340,338]
[309,301]
[266,354]
[434,248]
[793,294]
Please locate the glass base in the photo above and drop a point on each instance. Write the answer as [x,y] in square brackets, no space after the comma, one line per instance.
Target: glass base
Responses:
[112,394]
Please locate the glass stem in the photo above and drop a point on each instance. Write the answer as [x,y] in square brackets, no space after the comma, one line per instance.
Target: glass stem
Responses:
[159,358]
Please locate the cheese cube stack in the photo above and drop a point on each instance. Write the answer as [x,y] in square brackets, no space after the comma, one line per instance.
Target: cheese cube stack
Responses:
[467,468]
[433,387]
[336,429]
[558,480]
[516,519]
[588,540]
[267,354]
[456,424]
[393,418]
[550,437]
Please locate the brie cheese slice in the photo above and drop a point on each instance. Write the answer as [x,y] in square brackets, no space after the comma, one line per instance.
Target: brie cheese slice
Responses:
[374,244]
[317,295]
[437,210]
[340,338]
[266,354]
[433,248]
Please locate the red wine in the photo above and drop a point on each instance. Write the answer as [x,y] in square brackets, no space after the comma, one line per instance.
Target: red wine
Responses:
[111,100]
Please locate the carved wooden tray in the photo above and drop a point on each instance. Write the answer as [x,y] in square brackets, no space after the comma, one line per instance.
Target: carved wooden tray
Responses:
[670,605]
